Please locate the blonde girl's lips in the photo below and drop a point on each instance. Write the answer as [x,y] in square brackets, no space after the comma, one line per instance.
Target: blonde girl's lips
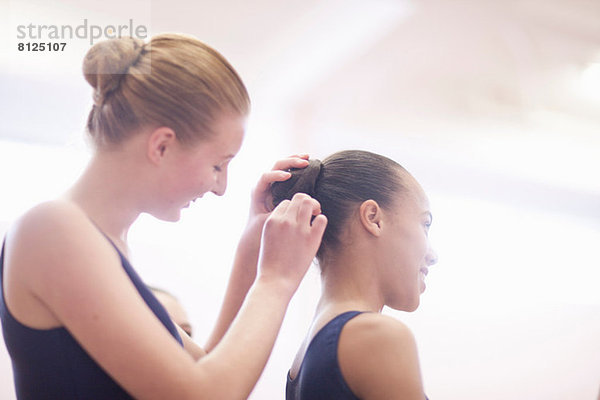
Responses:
[189,203]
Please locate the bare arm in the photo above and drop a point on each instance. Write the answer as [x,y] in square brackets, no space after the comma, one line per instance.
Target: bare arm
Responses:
[189,345]
[378,358]
[78,276]
[245,262]
[242,276]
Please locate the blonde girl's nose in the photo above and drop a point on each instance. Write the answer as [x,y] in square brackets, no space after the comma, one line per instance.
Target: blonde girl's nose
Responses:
[220,183]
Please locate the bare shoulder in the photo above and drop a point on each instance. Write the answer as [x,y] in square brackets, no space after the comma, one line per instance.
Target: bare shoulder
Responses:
[48,217]
[371,336]
[378,328]
[45,249]
[379,359]
[51,231]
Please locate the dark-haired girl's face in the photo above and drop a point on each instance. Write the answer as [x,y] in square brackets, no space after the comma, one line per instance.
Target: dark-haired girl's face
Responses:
[409,253]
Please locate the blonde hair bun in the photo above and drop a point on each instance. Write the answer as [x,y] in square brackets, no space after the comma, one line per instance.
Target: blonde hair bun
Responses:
[174,81]
[107,61]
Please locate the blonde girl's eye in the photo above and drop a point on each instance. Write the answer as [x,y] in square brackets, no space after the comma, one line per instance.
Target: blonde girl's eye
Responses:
[222,166]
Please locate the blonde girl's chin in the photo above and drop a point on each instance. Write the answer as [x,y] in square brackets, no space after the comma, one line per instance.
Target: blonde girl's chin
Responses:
[175,217]
[168,216]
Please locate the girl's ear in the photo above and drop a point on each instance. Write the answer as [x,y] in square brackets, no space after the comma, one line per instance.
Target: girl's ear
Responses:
[370,217]
[159,142]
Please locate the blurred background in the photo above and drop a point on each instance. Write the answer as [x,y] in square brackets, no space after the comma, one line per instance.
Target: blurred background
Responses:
[493,106]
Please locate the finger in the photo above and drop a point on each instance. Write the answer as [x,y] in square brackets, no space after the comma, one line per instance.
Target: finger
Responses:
[274,176]
[268,202]
[281,209]
[301,155]
[291,162]
[269,177]
[316,210]
[318,227]
[307,209]
[296,204]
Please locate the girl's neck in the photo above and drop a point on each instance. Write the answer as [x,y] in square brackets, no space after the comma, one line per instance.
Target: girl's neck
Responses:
[350,283]
[106,192]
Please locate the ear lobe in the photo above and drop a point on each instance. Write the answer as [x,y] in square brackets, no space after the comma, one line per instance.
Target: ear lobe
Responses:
[159,142]
[370,217]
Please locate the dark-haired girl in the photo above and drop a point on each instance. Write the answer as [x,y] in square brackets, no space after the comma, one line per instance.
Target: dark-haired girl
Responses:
[79,323]
[375,251]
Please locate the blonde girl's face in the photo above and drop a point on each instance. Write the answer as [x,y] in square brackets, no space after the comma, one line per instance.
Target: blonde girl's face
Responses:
[201,168]
[408,250]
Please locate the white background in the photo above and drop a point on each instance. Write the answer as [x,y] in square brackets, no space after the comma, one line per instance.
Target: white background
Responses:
[493,106]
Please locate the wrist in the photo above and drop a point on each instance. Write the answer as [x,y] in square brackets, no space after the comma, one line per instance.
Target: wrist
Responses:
[278,286]
[256,222]
[252,233]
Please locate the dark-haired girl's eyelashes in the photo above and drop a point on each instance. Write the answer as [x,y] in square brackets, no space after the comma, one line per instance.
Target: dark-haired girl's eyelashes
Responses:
[427,226]
[217,168]
[429,219]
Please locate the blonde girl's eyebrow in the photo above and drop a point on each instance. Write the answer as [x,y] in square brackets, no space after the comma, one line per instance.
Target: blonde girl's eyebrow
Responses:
[228,157]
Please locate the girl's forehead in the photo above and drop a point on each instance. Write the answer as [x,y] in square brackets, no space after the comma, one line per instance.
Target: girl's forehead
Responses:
[414,191]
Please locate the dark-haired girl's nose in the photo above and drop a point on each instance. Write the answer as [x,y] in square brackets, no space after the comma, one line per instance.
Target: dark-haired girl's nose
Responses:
[432,257]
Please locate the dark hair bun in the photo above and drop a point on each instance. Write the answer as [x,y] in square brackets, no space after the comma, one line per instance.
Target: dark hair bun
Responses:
[303,180]
[106,62]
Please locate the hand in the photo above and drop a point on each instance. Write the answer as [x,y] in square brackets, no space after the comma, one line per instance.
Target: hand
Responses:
[260,208]
[246,257]
[290,241]
[261,203]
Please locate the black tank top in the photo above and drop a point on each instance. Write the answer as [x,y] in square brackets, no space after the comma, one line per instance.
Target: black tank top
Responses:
[320,376]
[50,363]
